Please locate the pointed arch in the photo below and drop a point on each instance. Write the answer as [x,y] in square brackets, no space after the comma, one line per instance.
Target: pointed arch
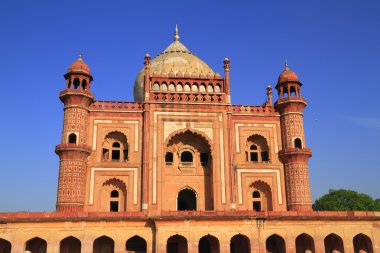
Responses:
[187,199]
[176,244]
[36,244]
[5,246]
[103,244]
[114,192]
[264,200]
[333,242]
[70,244]
[240,244]
[208,244]
[190,130]
[305,243]
[257,148]
[362,243]
[136,244]
[275,243]
[115,146]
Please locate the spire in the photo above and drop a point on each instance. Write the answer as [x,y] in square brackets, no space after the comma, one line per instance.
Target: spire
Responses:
[176,34]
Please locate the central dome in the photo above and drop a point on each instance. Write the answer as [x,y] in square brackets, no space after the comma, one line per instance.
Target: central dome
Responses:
[176,59]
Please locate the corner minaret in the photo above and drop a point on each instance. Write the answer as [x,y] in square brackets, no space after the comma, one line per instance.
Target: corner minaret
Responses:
[294,153]
[74,148]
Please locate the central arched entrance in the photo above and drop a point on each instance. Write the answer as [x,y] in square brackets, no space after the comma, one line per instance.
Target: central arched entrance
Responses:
[188,159]
[187,200]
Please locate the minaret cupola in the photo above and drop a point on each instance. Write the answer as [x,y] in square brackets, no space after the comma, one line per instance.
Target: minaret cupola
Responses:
[288,84]
[78,75]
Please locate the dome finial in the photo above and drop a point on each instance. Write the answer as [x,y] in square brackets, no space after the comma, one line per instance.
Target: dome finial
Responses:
[286,65]
[80,57]
[176,34]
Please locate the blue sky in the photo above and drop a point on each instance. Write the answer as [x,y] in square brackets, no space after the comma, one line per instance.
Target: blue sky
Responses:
[333,46]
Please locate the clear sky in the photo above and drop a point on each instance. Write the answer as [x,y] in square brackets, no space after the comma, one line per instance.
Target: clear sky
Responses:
[333,46]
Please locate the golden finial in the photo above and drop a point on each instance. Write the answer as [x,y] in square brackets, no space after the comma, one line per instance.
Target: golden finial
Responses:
[286,65]
[176,34]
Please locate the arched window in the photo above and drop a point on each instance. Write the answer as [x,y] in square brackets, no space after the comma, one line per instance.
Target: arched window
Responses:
[84,84]
[187,200]
[156,86]
[76,83]
[164,87]
[257,149]
[179,87]
[73,138]
[261,197]
[187,87]
[202,88]
[186,158]
[293,91]
[194,87]
[256,197]
[169,158]
[115,147]
[285,93]
[210,88]
[297,143]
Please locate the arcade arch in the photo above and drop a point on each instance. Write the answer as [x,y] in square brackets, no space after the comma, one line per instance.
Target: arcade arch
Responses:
[176,244]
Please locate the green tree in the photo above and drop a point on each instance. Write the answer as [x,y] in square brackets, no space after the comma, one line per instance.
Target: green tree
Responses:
[345,200]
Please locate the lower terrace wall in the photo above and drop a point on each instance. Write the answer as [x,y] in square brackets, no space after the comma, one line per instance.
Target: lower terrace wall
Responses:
[187,231]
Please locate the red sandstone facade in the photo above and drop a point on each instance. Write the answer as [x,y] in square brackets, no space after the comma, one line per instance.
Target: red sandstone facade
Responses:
[182,169]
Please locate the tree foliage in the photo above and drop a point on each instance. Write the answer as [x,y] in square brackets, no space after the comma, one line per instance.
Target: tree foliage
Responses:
[345,200]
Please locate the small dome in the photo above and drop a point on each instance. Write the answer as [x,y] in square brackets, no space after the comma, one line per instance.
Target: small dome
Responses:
[176,58]
[287,75]
[79,66]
